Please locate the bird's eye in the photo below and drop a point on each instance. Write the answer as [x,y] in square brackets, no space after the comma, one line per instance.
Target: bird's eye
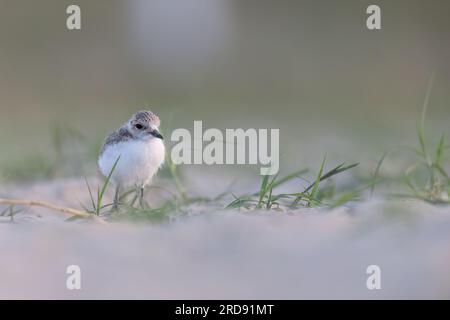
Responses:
[139,126]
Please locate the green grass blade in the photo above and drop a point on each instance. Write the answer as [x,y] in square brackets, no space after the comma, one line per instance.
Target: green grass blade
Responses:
[269,200]
[288,177]
[318,179]
[423,149]
[90,194]
[376,173]
[263,189]
[105,185]
[421,126]
[442,172]
[440,151]
[340,168]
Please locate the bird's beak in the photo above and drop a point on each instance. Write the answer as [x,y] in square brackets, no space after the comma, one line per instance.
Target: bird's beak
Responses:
[156,134]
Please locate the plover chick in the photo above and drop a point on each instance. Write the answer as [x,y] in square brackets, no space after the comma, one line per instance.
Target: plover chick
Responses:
[139,145]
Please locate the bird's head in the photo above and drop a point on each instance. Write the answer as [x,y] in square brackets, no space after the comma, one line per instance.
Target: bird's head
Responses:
[144,125]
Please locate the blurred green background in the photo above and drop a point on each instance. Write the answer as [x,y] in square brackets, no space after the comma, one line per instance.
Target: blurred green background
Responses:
[310,68]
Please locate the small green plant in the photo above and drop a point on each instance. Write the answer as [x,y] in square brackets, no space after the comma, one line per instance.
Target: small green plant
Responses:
[311,196]
[97,204]
[427,177]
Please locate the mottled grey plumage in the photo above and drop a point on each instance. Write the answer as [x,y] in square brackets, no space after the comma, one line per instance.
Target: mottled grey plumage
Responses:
[120,135]
[146,116]
[123,134]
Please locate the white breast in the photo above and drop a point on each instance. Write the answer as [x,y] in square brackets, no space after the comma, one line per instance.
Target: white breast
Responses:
[138,163]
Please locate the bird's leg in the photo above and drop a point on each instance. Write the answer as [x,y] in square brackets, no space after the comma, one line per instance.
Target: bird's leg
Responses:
[141,197]
[116,198]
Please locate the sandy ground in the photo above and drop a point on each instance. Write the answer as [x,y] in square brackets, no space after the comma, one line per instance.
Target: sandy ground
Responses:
[309,253]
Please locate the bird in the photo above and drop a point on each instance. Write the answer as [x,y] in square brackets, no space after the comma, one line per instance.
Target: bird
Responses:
[135,151]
